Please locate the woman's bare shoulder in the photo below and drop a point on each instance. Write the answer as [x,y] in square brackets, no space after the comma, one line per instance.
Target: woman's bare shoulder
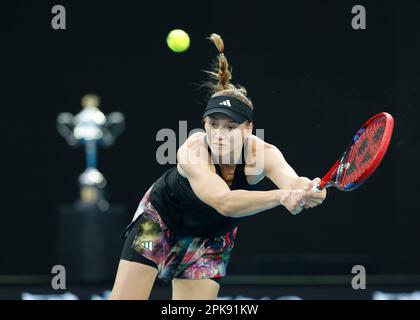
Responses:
[197,139]
[195,143]
[193,151]
[257,146]
[254,168]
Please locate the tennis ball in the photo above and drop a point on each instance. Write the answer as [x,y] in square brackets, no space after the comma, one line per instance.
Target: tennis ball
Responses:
[178,40]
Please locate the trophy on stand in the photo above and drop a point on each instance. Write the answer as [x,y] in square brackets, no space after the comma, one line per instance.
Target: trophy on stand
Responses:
[91,128]
[89,240]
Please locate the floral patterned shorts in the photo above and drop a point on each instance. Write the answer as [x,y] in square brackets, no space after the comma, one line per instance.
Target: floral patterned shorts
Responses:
[176,256]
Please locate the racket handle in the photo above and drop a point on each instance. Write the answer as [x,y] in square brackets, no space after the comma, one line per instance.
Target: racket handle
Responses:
[315,188]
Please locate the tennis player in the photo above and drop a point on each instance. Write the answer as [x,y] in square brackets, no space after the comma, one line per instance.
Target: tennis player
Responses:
[185,226]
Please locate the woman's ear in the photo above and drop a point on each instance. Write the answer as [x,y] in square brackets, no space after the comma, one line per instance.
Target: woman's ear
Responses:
[248,129]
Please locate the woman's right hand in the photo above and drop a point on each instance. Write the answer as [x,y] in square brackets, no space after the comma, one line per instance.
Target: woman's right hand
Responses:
[293,200]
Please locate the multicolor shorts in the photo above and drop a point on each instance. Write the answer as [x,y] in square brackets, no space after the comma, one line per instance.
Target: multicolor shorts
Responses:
[174,255]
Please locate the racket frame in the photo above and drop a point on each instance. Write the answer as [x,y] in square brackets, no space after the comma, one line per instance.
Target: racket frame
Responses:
[332,176]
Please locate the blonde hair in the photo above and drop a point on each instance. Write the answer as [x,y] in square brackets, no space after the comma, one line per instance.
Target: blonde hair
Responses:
[221,75]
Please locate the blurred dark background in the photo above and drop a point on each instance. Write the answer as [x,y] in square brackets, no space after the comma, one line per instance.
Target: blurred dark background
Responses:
[313,79]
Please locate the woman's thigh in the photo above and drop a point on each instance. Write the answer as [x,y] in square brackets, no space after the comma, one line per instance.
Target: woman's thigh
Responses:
[134,281]
[186,289]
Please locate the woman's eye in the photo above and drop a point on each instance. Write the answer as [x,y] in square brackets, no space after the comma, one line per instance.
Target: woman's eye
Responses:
[231,128]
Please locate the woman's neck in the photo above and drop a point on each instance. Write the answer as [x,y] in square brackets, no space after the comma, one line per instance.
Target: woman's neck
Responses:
[231,160]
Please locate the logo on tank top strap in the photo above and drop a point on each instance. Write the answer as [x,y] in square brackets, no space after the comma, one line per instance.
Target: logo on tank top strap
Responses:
[147,245]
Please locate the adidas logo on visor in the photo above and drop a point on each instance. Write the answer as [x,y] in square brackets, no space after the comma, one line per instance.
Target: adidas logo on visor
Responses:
[225,103]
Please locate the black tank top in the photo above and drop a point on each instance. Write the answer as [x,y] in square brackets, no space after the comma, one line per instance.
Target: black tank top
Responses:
[183,212]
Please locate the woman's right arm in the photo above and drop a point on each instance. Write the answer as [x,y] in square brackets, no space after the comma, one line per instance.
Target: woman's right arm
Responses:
[213,190]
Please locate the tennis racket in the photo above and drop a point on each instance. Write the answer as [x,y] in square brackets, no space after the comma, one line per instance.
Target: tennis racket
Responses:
[362,156]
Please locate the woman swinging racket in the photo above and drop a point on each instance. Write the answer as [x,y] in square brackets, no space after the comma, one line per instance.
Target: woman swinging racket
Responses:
[186,223]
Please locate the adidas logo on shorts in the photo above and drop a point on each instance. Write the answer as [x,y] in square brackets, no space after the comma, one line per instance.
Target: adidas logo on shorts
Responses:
[148,245]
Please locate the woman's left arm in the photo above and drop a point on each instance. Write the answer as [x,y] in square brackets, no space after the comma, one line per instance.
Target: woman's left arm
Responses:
[283,176]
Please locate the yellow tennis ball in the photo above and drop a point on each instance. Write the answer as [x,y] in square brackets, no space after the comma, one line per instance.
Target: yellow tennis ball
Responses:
[178,40]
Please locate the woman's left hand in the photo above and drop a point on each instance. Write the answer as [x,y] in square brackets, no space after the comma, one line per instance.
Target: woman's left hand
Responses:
[313,199]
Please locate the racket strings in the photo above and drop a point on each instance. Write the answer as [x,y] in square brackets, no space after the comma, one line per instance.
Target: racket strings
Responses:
[362,152]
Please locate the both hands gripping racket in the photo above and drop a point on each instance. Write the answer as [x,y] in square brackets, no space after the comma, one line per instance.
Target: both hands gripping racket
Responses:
[362,156]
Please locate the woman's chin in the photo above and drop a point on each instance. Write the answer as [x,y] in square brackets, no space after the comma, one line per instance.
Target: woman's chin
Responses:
[223,156]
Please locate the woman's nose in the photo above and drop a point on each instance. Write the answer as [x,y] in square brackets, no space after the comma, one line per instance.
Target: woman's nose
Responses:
[218,135]
[221,131]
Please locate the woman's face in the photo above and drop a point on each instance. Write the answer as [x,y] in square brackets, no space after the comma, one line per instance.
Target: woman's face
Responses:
[224,135]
